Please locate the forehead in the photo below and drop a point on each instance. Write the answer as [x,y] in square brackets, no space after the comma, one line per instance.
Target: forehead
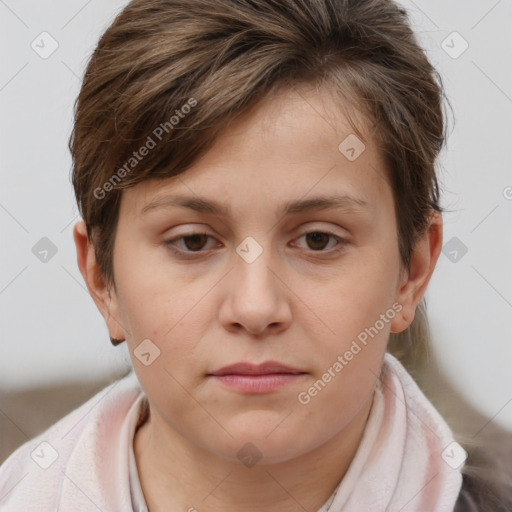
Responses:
[292,145]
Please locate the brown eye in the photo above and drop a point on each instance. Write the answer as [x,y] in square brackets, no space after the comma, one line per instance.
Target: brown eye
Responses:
[317,241]
[189,246]
[322,242]
[195,242]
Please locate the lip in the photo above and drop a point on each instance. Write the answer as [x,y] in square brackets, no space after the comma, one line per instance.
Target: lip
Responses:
[266,368]
[257,378]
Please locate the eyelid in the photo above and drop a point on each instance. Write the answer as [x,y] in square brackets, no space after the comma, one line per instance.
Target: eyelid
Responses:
[188,235]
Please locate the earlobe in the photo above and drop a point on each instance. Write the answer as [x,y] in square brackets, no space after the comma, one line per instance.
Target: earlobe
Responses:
[105,300]
[415,280]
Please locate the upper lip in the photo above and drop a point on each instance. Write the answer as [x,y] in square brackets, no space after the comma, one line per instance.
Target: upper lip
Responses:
[265,368]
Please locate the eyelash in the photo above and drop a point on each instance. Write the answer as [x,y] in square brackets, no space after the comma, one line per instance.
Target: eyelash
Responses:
[342,242]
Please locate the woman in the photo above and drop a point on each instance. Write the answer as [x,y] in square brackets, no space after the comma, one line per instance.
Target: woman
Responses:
[261,220]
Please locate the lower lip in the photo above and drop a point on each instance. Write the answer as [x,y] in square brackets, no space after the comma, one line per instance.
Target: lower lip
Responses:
[258,383]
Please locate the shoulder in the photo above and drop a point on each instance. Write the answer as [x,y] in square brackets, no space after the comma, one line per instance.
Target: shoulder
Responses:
[71,454]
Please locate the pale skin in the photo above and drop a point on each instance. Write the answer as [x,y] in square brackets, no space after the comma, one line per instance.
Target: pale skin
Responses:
[300,302]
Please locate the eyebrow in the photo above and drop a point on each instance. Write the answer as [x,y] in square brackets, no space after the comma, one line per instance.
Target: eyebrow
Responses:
[202,205]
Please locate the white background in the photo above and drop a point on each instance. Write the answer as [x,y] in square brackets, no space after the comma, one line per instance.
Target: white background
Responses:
[50,328]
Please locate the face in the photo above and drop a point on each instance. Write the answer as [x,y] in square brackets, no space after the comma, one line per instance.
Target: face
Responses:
[295,262]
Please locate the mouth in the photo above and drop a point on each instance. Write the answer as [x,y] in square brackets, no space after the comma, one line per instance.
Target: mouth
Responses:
[251,378]
[266,368]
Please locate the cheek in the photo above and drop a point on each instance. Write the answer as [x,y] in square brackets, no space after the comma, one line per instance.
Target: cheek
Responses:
[354,299]
[357,308]
[156,306]
[154,293]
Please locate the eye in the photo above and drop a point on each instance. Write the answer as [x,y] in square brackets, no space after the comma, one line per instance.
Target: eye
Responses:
[318,240]
[193,243]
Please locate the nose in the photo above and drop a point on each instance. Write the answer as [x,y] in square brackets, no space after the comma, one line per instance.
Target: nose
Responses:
[255,297]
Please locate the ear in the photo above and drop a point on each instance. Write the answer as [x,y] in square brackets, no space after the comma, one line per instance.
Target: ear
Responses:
[105,299]
[415,280]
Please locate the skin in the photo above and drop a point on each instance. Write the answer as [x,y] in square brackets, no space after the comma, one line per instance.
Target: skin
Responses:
[300,302]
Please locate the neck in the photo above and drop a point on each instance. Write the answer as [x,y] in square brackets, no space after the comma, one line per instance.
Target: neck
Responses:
[177,475]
